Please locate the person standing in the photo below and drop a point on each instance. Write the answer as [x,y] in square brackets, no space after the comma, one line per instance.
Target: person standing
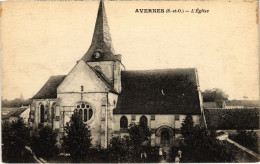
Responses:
[179,153]
[177,159]
[143,156]
[160,153]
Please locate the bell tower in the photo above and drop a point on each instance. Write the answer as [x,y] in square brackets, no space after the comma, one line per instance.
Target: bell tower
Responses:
[101,55]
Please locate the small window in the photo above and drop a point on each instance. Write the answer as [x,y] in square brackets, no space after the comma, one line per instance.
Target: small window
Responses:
[82,88]
[152,117]
[133,117]
[52,112]
[97,68]
[123,122]
[177,117]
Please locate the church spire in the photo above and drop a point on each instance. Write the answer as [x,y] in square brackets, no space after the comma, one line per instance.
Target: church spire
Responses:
[101,48]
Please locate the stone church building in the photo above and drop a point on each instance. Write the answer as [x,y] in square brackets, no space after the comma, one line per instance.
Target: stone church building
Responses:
[109,97]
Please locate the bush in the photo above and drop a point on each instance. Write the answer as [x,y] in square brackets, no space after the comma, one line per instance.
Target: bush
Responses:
[97,156]
[15,136]
[249,139]
[44,143]
[77,139]
[120,150]
[138,134]
[201,145]
[152,153]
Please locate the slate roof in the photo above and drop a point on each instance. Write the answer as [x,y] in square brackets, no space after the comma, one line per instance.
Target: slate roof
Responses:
[209,105]
[101,40]
[14,112]
[5,111]
[233,103]
[49,90]
[166,91]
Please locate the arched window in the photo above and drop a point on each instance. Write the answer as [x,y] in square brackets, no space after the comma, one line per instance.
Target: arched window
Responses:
[52,112]
[90,113]
[143,121]
[42,114]
[123,122]
[82,88]
[80,112]
[85,110]
[85,115]
[189,117]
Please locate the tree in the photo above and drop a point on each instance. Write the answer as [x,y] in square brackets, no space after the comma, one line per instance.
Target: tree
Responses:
[138,134]
[201,145]
[215,95]
[249,139]
[15,136]
[187,128]
[44,144]
[77,138]
[15,103]
[120,150]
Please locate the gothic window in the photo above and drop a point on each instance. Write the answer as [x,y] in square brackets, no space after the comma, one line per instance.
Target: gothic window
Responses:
[143,120]
[85,115]
[90,113]
[123,122]
[80,111]
[42,114]
[52,112]
[85,110]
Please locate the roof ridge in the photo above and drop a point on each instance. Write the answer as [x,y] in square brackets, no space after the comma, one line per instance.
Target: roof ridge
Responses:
[149,70]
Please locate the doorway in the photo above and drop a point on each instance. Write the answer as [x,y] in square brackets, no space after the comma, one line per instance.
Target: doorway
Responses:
[165,138]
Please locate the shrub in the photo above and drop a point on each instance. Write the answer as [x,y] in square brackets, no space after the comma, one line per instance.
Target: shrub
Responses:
[249,139]
[97,156]
[15,136]
[77,139]
[120,150]
[201,145]
[44,143]
[152,153]
[138,134]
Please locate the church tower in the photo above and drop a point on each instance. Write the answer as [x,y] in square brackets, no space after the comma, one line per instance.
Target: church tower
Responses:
[101,54]
[93,85]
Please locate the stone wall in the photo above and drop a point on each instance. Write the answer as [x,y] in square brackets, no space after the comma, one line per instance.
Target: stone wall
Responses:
[155,123]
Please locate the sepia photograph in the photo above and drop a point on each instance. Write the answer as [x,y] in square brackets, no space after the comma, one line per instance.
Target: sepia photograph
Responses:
[130,81]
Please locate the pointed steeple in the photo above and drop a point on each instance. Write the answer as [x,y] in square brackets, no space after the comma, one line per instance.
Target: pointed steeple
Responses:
[101,41]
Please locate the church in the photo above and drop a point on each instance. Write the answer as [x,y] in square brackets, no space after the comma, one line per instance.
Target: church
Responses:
[110,98]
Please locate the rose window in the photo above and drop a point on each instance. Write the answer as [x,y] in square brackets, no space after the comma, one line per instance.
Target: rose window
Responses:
[85,110]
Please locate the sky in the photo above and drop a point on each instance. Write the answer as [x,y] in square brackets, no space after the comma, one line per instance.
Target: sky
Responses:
[42,39]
